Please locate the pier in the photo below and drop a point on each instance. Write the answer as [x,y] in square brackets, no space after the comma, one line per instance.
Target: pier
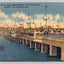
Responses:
[39,42]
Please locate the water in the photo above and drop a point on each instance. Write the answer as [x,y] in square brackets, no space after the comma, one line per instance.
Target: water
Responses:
[18,52]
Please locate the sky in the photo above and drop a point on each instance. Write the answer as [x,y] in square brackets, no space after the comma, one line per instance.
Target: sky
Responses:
[17,13]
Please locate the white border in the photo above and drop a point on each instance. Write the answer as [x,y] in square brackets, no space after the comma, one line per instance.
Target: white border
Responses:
[31,0]
[32,62]
[54,62]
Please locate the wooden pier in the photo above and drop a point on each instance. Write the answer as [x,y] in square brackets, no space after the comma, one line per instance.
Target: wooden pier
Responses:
[40,44]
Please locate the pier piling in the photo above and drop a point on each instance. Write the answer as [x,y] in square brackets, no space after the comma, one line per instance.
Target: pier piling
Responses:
[41,48]
[50,50]
[62,54]
[26,41]
[30,44]
[35,46]
[23,41]
[20,41]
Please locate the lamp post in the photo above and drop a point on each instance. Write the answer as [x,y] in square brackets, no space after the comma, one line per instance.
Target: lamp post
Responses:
[22,27]
[34,23]
[46,18]
[21,20]
[58,23]
[40,24]
[29,20]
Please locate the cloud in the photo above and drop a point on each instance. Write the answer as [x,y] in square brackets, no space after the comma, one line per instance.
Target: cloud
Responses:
[49,16]
[8,22]
[3,15]
[57,17]
[20,15]
[11,23]
[39,19]
[61,25]
[39,15]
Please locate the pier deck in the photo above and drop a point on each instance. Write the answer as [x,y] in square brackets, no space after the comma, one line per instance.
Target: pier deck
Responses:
[51,41]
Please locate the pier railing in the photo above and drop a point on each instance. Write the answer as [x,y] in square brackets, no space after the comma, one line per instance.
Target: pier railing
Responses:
[30,34]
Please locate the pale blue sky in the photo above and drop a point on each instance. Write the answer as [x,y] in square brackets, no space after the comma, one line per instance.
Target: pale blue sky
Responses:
[53,9]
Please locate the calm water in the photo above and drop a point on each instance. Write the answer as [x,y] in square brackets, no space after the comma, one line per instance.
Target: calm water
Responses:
[13,52]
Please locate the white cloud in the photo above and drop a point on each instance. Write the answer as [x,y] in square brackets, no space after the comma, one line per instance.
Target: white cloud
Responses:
[61,24]
[49,16]
[37,21]
[7,22]
[39,15]
[20,15]
[57,17]
[3,15]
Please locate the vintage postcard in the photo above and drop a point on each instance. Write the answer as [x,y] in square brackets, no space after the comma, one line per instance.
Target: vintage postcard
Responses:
[31,31]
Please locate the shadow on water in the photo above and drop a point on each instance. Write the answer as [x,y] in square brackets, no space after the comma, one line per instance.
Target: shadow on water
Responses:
[13,51]
[1,47]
